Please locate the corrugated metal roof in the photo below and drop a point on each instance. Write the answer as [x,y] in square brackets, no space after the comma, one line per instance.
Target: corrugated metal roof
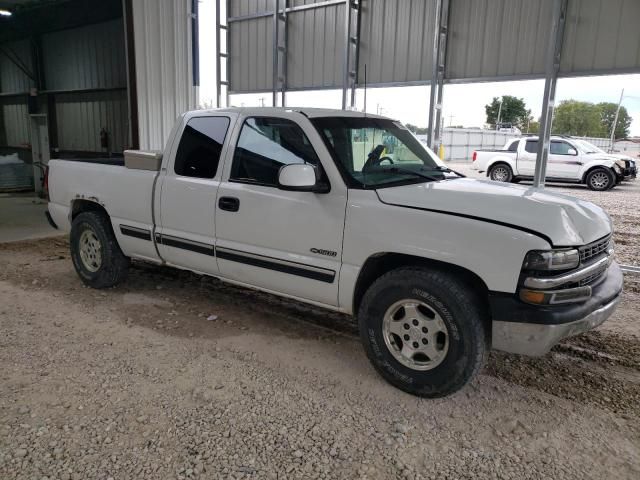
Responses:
[251,54]
[12,79]
[396,40]
[162,37]
[488,40]
[239,8]
[87,57]
[601,36]
[315,56]
[497,38]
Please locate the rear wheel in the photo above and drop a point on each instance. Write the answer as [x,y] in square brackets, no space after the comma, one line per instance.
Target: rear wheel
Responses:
[501,172]
[423,331]
[95,252]
[600,179]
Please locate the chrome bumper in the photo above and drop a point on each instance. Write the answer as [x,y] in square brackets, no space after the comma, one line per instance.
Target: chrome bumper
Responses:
[536,339]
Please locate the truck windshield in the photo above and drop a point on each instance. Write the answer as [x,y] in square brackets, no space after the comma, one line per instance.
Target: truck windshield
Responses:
[375,153]
[588,147]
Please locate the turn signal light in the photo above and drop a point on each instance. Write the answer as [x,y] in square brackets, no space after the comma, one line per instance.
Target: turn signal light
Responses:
[555,297]
[531,296]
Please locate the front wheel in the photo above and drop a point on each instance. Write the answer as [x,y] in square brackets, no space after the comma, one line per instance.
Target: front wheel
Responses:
[423,331]
[600,179]
[501,172]
[95,252]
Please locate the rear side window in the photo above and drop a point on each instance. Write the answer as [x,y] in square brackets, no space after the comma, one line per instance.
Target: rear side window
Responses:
[200,146]
[514,146]
[265,145]
[531,146]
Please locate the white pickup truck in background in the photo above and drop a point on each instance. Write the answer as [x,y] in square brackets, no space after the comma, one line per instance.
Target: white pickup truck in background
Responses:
[349,212]
[571,160]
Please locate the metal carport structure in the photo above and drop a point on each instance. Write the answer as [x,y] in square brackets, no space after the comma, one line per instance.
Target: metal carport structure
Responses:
[292,45]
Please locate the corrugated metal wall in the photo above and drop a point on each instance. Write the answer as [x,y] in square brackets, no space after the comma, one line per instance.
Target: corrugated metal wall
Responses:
[15,121]
[14,124]
[12,79]
[601,35]
[84,73]
[162,38]
[497,38]
[85,58]
[81,116]
[88,65]
[396,40]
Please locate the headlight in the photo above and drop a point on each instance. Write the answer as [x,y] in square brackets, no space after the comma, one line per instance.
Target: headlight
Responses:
[551,259]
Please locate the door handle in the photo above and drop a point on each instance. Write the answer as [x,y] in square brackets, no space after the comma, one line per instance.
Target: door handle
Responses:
[230,204]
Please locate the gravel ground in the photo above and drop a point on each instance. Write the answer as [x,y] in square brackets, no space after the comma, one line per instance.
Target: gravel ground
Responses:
[172,375]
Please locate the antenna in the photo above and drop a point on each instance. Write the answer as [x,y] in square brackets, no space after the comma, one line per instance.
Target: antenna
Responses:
[365,89]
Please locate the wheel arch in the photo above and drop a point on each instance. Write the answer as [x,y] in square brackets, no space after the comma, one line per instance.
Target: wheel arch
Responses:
[81,205]
[590,169]
[380,263]
[498,162]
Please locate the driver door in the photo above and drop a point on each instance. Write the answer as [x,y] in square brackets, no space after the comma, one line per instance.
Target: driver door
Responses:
[289,242]
[564,161]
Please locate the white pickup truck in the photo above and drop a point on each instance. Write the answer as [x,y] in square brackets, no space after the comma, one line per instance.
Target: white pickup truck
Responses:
[350,212]
[571,160]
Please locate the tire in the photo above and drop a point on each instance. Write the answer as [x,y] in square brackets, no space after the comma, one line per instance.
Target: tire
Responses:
[600,179]
[458,356]
[501,172]
[101,263]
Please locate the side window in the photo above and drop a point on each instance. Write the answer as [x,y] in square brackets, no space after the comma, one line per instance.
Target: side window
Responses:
[265,145]
[531,146]
[514,146]
[559,148]
[198,154]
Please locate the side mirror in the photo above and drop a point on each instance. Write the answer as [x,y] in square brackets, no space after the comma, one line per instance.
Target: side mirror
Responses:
[297,177]
[572,151]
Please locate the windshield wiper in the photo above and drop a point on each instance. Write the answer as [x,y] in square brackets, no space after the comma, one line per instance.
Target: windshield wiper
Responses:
[441,168]
[408,171]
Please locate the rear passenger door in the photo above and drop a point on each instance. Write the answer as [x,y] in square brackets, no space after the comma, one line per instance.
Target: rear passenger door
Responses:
[186,222]
[285,241]
[527,158]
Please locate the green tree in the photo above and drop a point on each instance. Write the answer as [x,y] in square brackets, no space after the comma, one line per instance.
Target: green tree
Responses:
[532,127]
[573,117]
[607,115]
[417,130]
[513,111]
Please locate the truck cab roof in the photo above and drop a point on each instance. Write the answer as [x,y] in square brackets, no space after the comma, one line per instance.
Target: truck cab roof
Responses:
[308,112]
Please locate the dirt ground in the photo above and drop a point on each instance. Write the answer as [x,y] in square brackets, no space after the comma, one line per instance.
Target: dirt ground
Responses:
[172,375]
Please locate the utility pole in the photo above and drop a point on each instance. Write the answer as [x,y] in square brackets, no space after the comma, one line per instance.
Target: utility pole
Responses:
[499,113]
[615,122]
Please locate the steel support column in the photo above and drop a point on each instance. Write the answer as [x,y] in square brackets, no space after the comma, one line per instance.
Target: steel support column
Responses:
[554,54]
[347,52]
[279,50]
[222,57]
[438,71]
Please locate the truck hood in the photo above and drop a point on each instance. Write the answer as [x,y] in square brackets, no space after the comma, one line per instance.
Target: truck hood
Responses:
[566,220]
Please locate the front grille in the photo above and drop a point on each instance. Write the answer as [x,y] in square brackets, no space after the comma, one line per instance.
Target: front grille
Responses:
[592,278]
[594,249]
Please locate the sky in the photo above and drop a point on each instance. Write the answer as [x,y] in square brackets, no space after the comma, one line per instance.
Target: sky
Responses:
[463,104]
